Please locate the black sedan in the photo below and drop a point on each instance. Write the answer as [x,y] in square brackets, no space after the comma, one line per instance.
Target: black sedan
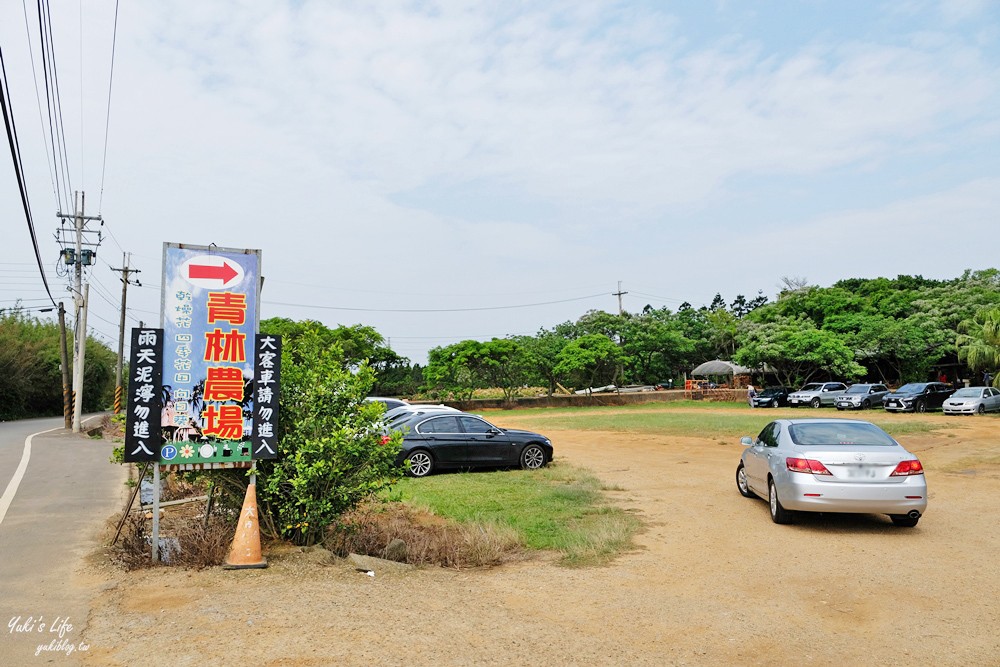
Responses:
[917,397]
[772,397]
[446,439]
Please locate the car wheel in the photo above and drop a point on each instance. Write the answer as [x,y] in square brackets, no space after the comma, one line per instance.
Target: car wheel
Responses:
[778,513]
[815,402]
[919,406]
[981,410]
[421,463]
[904,521]
[532,458]
[741,482]
[865,404]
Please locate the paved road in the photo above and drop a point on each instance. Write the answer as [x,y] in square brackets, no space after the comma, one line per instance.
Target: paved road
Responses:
[65,495]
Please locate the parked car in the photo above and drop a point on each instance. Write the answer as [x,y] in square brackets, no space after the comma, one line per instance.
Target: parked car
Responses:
[771,397]
[817,394]
[918,397]
[972,400]
[862,397]
[389,403]
[449,439]
[832,465]
[395,413]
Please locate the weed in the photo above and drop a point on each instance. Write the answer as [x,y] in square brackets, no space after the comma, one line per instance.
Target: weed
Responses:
[429,539]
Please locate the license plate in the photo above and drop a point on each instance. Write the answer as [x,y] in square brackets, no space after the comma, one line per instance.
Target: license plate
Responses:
[893,403]
[860,472]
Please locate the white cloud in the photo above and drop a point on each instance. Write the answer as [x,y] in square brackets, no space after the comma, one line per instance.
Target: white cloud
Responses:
[401,149]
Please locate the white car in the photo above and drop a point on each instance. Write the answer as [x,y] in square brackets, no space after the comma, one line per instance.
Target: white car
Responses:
[972,401]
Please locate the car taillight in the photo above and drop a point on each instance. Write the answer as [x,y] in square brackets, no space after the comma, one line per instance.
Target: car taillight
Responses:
[908,468]
[806,465]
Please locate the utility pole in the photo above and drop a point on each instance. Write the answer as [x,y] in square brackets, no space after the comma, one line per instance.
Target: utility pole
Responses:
[83,252]
[64,359]
[619,294]
[125,271]
[620,371]
[81,349]
[81,303]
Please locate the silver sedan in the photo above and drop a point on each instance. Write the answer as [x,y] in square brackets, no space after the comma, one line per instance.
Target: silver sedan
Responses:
[972,400]
[832,465]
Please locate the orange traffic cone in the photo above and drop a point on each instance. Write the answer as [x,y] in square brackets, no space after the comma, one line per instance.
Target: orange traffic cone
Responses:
[245,552]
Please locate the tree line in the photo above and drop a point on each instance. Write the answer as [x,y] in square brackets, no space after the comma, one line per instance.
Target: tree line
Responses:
[30,368]
[881,329]
[888,330]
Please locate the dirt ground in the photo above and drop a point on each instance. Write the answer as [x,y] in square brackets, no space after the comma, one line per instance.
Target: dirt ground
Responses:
[712,582]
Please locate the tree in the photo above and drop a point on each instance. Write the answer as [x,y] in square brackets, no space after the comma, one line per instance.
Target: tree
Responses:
[332,453]
[30,375]
[588,360]
[449,370]
[796,350]
[978,342]
[541,354]
[654,348]
[501,363]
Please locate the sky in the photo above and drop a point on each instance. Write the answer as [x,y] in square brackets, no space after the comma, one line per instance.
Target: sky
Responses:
[444,171]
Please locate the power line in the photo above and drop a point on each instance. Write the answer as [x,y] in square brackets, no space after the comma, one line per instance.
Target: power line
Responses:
[660,298]
[38,101]
[15,154]
[328,288]
[107,122]
[430,310]
[57,133]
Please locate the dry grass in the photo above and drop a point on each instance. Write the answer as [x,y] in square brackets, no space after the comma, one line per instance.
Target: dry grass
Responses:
[131,551]
[184,536]
[430,540]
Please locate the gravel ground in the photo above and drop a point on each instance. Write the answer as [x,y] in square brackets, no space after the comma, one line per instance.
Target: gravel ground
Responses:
[712,582]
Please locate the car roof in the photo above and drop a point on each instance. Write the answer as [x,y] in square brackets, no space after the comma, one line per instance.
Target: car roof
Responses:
[822,420]
[420,415]
[417,407]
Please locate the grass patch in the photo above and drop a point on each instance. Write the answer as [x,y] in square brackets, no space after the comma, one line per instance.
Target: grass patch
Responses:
[707,420]
[558,508]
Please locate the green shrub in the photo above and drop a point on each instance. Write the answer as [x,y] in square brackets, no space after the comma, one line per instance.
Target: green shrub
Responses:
[332,453]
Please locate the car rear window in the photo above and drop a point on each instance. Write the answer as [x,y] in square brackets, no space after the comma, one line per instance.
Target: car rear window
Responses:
[827,434]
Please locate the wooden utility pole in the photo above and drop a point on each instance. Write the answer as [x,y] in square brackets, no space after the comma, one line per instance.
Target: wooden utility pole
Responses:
[125,271]
[619,294]
[620,371]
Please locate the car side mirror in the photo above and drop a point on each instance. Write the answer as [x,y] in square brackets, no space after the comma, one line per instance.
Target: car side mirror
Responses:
[746,441]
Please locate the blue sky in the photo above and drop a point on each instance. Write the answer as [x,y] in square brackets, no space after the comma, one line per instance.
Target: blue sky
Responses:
[419,156]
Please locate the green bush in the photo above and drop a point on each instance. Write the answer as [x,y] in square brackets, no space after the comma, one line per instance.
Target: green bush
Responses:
[332,453]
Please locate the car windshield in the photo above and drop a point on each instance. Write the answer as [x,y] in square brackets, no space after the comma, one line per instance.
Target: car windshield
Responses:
[912,388]
[812,387]
[772,391]
[858,389]
[968,392]
[844,433]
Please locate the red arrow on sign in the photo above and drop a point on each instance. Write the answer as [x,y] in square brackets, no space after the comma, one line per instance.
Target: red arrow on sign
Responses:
[225,273]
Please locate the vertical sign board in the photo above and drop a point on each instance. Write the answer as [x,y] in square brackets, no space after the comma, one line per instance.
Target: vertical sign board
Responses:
[142,421]
[267,381]
[210,311]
